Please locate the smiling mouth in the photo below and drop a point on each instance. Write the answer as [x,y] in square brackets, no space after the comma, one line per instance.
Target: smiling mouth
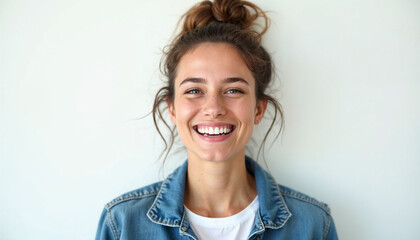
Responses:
[214,131]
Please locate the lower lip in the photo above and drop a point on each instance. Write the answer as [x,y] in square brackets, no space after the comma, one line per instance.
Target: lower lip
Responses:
[215,138]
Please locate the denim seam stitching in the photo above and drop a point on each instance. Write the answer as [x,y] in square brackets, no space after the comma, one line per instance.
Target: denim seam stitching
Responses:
[253,235]
[112,225]
[184,216]
[158,194]
[126,198]
[327,229]
[308,200]
[283,221]
[162,222]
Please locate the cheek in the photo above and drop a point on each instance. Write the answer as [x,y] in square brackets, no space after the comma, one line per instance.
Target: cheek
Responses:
[185,111]
[245,111]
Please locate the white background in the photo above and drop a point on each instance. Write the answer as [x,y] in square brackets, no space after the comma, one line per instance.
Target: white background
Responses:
[76,76]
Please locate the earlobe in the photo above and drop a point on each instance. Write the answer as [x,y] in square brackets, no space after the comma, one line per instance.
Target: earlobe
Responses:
[259,111]
[171,110]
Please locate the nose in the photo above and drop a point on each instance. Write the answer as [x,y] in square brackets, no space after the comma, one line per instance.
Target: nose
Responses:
[214,106]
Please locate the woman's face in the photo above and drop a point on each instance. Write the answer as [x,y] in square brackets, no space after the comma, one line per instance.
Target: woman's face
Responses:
[214,106]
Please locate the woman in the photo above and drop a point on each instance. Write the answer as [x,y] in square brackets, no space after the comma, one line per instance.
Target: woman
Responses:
[218,74]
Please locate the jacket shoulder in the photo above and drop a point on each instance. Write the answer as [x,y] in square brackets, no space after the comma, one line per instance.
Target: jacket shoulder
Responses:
[144,193]
[292,196]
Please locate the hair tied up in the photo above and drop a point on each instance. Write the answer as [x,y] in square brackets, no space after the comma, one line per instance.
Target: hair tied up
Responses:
[231,22]
[241,13]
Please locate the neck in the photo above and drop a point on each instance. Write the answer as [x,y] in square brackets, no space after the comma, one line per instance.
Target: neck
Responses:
[218,189]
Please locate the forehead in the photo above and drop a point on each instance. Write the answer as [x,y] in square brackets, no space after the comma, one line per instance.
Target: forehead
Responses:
[213,61]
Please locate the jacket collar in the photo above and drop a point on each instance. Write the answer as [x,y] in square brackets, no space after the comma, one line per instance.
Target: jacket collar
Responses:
[273,209]
[168,206]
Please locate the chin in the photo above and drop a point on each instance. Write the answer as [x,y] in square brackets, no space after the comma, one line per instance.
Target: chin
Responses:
[214,156]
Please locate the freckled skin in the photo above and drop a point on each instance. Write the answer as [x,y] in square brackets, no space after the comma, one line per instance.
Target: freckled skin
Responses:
[215,100]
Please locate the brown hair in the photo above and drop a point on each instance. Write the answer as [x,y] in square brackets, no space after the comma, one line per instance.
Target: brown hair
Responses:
[224,21]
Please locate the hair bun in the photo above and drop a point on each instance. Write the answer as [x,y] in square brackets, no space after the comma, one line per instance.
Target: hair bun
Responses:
[232,12]
[238,12]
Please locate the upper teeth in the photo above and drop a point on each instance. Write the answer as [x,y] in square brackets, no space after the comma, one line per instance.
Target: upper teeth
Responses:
[214,130]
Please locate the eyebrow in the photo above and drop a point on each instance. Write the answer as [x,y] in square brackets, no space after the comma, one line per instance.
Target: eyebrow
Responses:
[202,80]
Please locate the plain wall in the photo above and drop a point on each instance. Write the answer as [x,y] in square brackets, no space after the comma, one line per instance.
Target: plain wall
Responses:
[76,76]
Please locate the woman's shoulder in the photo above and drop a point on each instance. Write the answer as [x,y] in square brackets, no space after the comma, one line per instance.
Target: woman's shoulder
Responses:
[294,200]
[141,196]
[297,200]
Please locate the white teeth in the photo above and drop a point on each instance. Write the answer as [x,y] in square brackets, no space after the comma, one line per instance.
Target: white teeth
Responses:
[214,131]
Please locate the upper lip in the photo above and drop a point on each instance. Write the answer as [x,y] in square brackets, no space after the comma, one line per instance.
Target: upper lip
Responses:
[219,124]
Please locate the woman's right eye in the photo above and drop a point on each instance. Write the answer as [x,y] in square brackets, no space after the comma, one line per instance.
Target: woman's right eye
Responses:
[193,91]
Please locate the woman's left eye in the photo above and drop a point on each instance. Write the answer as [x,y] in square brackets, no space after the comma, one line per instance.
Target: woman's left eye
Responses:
[234,90]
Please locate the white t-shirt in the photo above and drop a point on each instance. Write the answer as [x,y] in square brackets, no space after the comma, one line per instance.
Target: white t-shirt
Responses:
[235,227]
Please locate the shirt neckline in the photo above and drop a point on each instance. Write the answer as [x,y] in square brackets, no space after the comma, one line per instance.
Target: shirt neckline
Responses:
[239,217]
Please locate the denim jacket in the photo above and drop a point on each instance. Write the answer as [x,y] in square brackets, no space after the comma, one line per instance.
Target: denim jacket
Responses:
[157,212]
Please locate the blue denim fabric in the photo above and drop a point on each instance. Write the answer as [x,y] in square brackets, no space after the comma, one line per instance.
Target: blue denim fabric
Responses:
[157,212]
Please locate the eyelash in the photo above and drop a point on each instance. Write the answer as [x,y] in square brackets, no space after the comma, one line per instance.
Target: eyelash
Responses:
[235,90]
[193,91]
[198,91]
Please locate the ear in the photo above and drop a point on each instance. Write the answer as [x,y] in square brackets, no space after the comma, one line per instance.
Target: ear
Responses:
[171,109]
[260,110]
